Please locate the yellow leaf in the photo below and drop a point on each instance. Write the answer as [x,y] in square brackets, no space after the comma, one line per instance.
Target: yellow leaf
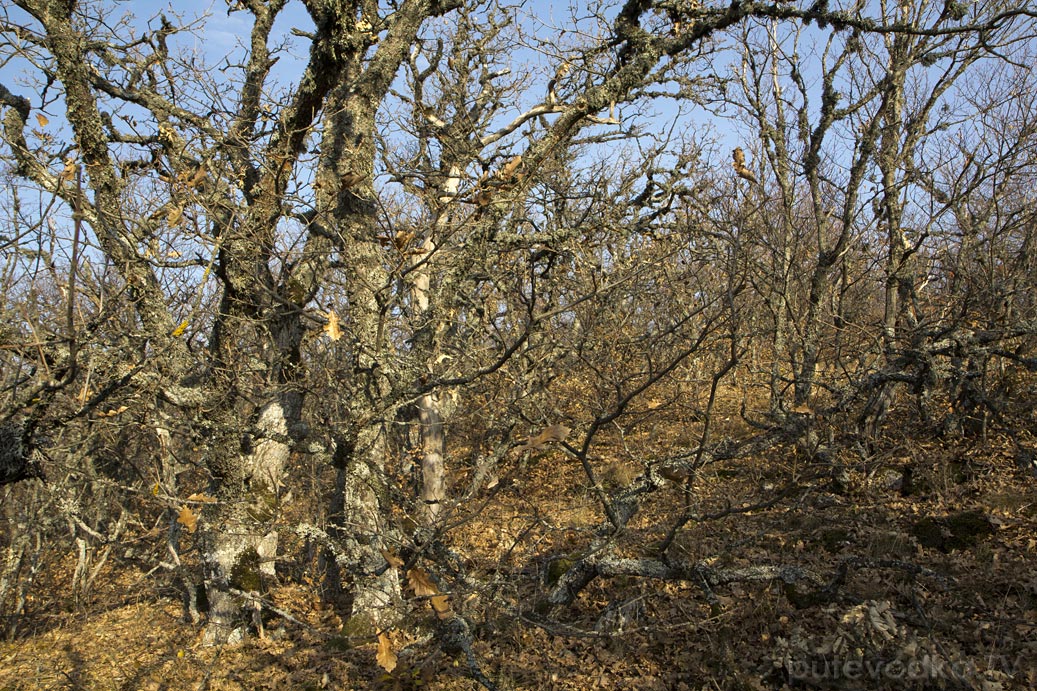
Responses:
[188,519]
[155,489]
[42,119]
[332,328]
[179,331]
[385,656]
[421,583]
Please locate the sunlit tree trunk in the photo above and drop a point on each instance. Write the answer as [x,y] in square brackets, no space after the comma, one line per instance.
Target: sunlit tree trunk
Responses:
[430,415]
[239,547]
[346,195]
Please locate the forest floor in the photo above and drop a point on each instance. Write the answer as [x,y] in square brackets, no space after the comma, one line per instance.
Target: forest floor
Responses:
[940,591]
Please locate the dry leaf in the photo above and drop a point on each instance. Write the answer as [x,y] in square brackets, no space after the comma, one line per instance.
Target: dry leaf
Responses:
[69,171]
[201,497]
[385,656]
[42,119]
[441,606]
[332,328]
[421,583]
[423,586]
[188,519]
[739,157]
[741,170]
[402,239]
[551,433]
[393,560]
[510,168]
[199,176]
[174,216]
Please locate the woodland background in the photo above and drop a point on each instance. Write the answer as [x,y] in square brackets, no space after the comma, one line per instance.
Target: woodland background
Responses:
[443,344]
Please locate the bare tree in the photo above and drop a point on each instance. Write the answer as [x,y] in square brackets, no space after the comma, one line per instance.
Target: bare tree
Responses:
[820,210]
[402,240]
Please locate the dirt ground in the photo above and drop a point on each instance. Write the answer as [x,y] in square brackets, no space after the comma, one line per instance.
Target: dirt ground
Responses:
[937,590]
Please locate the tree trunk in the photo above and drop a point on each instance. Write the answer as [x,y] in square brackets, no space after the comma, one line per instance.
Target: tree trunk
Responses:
[238,545]
[433,470]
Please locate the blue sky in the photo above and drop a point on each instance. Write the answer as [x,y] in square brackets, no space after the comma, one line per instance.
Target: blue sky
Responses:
[225,34]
